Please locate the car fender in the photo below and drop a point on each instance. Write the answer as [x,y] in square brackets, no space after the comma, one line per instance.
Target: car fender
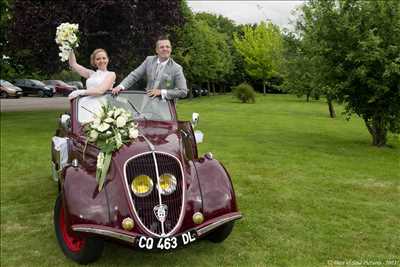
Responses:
[84,204]
[216,188]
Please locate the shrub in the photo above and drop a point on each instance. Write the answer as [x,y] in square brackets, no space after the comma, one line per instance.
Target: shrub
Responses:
[66,75]
[244,92]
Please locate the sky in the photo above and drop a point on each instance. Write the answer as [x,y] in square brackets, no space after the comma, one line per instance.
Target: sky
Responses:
[242,12]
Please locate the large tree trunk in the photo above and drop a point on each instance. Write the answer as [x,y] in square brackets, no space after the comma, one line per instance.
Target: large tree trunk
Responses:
[376,127]
[213,87]
[208,88]
[332,112]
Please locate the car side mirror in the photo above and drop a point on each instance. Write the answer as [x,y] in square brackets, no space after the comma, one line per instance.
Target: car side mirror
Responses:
[195,119]
[65,121]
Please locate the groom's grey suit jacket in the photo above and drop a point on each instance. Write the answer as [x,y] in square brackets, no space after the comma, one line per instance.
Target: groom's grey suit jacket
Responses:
[171,78]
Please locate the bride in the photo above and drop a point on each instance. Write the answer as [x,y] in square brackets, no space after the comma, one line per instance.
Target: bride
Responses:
[99,81]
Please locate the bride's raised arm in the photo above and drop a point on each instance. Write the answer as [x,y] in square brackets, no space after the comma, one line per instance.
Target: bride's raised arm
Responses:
[81,70]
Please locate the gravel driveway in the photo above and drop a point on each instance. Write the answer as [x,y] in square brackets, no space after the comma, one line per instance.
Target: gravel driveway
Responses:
[34,103]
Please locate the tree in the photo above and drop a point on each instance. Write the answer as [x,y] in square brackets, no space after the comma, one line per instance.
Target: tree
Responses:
[126,29]
[359,46]
[304,71]
[261,47]
[225,70]
[203,52]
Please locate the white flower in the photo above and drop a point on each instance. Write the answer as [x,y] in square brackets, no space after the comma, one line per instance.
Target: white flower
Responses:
[117,112]
[72,39]
[93,135]
[121,121]
[67,39]
[96,123]
[100,160]
[108,133]
[100,113]
[109,120]
[64,54]
[118,140]
[133,133]
[103,127]
[110,113]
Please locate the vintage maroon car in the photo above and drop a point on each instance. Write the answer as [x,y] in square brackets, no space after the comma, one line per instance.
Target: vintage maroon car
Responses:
[158,194]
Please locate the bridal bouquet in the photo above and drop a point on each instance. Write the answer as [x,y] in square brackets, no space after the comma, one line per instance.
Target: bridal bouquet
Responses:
[67,37]
[111,128]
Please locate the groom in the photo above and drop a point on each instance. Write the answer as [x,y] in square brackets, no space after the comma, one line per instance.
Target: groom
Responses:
[164,76]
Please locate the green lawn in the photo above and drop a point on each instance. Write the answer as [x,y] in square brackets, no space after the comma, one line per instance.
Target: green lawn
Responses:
[312,190]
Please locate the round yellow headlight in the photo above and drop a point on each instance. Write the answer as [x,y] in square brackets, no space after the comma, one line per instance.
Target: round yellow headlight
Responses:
[142,185]
[167,184]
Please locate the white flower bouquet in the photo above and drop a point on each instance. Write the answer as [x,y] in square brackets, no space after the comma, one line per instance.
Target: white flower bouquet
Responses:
[111,128]
[67,37]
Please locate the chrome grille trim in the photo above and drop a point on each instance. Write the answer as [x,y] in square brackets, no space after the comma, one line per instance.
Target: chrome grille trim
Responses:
[130,198]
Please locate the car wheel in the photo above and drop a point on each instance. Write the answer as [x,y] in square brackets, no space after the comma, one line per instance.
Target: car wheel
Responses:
[41,93]
[80,249]
[221,233]
[4,94]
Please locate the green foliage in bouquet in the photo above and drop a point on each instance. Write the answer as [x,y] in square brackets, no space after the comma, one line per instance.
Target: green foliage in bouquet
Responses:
[244,92]
[111,128]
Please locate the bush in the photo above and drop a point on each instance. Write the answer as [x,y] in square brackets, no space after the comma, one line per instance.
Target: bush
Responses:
[244,92]
[66,75]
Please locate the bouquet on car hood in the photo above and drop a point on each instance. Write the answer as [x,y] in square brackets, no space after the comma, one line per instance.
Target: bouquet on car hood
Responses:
[67,37]
[111,128]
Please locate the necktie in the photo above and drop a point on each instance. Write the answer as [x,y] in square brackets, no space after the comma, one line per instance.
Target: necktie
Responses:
[158,70]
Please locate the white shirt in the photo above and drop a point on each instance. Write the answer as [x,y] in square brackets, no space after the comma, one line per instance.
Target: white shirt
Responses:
[160,70]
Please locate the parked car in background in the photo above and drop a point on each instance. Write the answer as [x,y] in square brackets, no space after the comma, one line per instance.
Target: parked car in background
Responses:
[34,87]
[204,92]
[7,89]
[76,84]
[60,87]
[196,90]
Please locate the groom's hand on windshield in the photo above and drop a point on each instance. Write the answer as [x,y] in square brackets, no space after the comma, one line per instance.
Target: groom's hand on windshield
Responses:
[154,92]
[116,90]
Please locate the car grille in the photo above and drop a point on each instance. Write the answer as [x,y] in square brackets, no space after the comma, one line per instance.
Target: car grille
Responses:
[144,165]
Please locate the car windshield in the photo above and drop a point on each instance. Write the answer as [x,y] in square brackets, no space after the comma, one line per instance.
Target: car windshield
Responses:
[5,83]
[137,103]
[38,82]
[50,82]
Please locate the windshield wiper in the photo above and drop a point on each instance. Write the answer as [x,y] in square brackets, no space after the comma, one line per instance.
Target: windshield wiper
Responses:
[137,111]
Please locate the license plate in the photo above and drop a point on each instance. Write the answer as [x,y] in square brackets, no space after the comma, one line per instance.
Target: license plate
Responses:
[166,243]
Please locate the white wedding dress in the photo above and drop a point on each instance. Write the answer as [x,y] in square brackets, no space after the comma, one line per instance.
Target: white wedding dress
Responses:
[96,78]
[90,105]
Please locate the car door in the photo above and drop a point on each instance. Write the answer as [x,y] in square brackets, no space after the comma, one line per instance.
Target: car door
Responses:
[30,86]
[22,85]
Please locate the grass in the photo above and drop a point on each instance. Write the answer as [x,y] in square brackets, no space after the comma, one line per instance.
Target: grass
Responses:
[312,190]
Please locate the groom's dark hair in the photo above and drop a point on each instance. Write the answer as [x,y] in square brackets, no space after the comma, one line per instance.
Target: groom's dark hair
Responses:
[162,38]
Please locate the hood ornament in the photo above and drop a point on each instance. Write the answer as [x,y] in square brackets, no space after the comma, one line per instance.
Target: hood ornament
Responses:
[161,211]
